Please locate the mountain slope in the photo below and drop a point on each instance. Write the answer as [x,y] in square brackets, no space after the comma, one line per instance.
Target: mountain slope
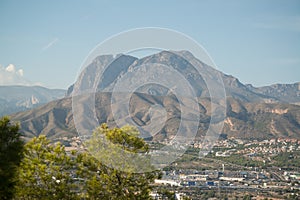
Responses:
[262,120]
[244,120]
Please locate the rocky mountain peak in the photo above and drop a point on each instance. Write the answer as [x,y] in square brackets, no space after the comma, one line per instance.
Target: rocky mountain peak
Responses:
[251,111]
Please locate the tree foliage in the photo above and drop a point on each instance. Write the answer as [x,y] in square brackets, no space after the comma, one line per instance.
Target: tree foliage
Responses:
[49,172]
[45,172]
[11,147]
[127,175]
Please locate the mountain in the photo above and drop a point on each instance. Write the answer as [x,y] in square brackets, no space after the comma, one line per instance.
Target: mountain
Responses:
[250,112]
[288,93]
[182,61]
[20,98]
[262,120]
[244,120]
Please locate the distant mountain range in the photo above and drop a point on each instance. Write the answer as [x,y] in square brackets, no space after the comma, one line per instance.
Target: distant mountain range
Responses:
[287,93]
[256,113]
[20,98]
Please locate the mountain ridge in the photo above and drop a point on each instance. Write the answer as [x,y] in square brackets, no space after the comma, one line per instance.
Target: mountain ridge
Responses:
[251,112]
[18,98]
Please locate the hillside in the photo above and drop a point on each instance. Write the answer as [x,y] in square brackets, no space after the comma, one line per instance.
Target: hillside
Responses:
[244,120]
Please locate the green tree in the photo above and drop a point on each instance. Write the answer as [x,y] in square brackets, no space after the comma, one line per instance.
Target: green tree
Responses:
[165,193]
[121,147]
[247,197]
[11,147]
[45,172]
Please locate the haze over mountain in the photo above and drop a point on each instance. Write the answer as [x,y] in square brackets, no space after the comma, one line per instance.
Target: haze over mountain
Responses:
[265,112]
[20,98]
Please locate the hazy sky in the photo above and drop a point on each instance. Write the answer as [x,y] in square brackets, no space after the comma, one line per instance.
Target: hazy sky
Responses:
[45,42]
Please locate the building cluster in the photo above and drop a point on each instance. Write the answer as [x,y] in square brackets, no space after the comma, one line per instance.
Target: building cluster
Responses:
[245,180]
[249,178]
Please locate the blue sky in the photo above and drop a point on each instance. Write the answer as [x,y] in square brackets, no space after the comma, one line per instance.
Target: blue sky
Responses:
[47,41]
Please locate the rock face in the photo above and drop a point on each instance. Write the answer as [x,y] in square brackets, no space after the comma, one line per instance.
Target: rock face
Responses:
[20,98]
[250,112]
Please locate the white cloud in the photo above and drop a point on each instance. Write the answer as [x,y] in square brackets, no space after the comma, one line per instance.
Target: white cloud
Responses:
[50,44]
[10,76]
[20,72]
[10,68]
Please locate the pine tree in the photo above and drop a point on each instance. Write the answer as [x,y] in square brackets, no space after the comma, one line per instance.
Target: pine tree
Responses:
[45,172]
[11,147]
[116,148]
